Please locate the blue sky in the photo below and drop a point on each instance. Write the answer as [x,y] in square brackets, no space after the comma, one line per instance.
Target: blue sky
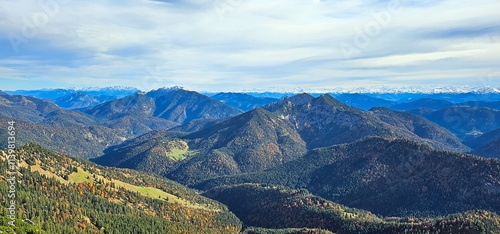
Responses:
[233,45]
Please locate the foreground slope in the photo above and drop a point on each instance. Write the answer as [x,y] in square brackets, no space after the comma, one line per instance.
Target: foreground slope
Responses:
[388,177]
[280,208]
[60,194]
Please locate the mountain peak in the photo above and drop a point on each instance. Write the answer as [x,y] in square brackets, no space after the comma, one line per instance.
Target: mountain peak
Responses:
[299,98]
[329,100]
[155,93]
[296,100]
[173,88]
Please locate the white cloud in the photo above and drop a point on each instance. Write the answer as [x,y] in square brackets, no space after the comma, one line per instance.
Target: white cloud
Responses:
[242,44]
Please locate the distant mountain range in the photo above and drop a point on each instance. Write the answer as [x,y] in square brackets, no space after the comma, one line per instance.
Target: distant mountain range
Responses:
[244,102]
[77,98]
[159,109]
[81,100]
[363,102]
[282,163]
[436,104]
[465,122]
[52,94]
[428,90]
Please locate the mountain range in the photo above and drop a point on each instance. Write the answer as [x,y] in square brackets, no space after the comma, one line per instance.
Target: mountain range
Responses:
[466,122]
[244,102]
[159,109]
[266,137]
[263,163]
[53,94]
[362,101]
[252,141]
[81,100]
[387,177]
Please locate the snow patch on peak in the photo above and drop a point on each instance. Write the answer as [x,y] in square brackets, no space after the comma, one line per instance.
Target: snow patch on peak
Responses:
[425,89]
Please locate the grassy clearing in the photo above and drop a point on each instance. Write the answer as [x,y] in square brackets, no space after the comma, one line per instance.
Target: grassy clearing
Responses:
[177,154]
[84,176]
[48,174]
[176,149]
[80,176]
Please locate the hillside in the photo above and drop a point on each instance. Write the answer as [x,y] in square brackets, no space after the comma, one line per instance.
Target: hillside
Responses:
[60,194]
[439,137]
[259,139]
[77,100]
[181,106]
[484,139]
[159,109]
[242,101]
[425,103]
[151,152]
[325,121]
[252,141]
[489,150]
[466,122]
[363,102]
[492,105]
[278,208]
[388,177]
[80,141]
[196,125]
[41,111]
[133,104]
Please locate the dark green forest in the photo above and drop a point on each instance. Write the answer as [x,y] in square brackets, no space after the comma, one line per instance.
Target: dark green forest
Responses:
[103,201]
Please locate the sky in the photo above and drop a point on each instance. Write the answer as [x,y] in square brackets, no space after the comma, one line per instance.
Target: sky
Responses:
[234,45]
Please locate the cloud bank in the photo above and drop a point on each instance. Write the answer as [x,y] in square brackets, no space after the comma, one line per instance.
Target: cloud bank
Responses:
[230,45]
